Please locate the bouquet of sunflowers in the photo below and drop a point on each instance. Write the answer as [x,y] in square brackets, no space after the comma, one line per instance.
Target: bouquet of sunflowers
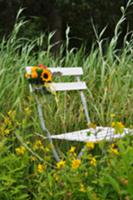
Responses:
[39,74]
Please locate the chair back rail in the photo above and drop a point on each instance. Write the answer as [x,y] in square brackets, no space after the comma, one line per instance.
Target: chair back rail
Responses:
[64,71]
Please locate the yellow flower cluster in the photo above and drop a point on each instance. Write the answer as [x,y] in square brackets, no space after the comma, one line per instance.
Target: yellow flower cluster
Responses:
[60,164]
[38,145]
[8,125]
[75,163]
[40,168]
[72,149]
[20,150]
[118,126]
[114,150]
[93,161]
[90,145]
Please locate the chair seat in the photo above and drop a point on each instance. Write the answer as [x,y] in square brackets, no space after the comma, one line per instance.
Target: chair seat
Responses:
[92,135]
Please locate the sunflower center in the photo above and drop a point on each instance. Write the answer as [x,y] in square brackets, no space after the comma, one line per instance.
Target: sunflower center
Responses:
[45,76]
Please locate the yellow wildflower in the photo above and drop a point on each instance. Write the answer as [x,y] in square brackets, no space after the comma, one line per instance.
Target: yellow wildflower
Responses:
[93,161]
[38,145]
[82,188]
[75,163]
[20,150]
[118,126]
[90,145]
[72,149]
[40,168]
[60,164]
[114,150]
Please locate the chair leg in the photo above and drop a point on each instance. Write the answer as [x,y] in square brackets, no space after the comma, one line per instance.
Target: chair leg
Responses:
[42,123]
[84,103]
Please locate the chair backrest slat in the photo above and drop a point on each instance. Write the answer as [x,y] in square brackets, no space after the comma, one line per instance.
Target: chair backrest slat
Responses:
[68,86]
[68,71]
[64,71]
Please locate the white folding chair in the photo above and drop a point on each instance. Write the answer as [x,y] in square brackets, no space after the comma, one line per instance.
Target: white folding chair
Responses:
[95,134]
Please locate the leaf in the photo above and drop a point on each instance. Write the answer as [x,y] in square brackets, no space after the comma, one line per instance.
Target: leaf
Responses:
[113,182]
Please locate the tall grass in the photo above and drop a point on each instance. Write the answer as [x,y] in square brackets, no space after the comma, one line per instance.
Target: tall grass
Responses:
[108,76]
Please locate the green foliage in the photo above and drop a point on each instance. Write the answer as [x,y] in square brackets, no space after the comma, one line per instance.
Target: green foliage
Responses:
[23,177]
[27,167]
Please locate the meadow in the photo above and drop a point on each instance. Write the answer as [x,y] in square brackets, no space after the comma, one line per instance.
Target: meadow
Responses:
[27,168]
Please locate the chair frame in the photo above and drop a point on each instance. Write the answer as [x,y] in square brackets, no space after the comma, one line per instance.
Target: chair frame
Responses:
[107,133]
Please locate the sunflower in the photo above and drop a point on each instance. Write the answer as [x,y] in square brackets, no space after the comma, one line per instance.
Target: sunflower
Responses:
[46,75]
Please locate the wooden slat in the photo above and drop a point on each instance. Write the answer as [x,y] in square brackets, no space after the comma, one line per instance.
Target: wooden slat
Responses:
[67,86]
[64,71]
